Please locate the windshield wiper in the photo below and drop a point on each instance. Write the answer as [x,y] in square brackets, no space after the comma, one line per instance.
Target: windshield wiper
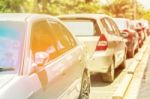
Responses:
[7,69]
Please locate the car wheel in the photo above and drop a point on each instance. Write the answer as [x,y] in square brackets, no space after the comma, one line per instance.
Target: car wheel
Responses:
[109,76]
[85,86]
[137,49]
[131,54]
[141,44]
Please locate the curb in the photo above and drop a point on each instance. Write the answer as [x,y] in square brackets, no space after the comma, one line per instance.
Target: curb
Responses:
[135,83]
[123,86]
[119,93]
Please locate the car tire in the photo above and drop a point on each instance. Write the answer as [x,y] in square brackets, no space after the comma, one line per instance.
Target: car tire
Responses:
[141,44]
[137,49]
[131,54]
[110,75]
[85,86]
[123,64]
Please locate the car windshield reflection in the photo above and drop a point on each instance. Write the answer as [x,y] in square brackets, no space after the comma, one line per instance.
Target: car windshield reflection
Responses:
[10,45]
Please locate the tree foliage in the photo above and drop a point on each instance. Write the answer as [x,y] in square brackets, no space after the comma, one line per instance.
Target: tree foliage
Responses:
[56,7]
[11,6]
[115,8]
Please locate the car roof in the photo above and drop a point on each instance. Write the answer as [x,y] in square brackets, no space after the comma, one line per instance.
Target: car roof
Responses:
[21,16]
[86,16]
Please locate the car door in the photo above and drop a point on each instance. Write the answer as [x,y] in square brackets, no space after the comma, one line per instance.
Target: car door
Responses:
[71,57]
[42,41]
[121,47]
[113,38]
[63,65]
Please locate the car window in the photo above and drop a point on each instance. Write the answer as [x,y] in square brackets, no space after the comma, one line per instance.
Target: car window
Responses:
[122,24]
[107,26]
[114,26]
[62,40]
[68,36]
[43,40]
[82,27]
[11,45]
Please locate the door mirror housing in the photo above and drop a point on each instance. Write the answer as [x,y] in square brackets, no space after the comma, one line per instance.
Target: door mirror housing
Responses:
[41,58]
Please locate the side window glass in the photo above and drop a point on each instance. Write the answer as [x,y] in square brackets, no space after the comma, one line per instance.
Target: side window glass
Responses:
[68,36]
[115,27]
[107,26]
[42,40]
[62,41]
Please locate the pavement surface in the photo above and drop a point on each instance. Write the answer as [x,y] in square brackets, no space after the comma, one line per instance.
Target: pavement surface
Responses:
[103,90]
[144,91]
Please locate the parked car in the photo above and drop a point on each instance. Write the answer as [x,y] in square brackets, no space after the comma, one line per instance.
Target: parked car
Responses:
[105,47]
[40,59]
[146,26]
[130,35]
[137,26]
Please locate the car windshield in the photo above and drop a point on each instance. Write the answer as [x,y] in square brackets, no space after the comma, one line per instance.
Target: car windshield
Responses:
[11,42]
[81,27]
[122,24]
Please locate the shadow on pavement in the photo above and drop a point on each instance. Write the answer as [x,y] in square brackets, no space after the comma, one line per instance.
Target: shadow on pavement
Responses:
[97,81]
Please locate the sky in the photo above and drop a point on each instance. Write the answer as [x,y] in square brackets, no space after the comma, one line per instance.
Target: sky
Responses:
[145,3]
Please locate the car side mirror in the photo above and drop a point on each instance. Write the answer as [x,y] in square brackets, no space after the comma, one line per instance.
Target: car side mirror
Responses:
[41,58]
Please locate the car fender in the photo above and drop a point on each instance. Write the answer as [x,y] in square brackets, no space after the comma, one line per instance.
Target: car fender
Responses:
[20,87]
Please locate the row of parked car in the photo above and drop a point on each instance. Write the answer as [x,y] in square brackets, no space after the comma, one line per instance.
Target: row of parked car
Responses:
[44,57]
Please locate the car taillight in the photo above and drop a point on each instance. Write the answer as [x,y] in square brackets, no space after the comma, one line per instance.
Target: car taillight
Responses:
[102,43]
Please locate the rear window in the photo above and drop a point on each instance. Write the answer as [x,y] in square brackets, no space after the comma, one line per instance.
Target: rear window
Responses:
[81,27]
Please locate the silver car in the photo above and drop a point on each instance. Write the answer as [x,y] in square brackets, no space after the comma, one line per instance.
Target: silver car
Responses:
[105,47]
[40,59]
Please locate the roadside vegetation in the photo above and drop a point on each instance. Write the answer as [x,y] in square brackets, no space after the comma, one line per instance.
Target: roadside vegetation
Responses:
[114,8]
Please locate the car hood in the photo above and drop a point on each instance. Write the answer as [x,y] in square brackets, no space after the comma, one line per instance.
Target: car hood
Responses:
[5,78]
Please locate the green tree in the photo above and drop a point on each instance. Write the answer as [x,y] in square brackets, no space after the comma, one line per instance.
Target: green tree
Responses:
[117,8]
[11,6]
[73,6]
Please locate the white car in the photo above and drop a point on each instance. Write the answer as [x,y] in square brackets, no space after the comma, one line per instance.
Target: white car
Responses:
[105,47]
[40,59]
